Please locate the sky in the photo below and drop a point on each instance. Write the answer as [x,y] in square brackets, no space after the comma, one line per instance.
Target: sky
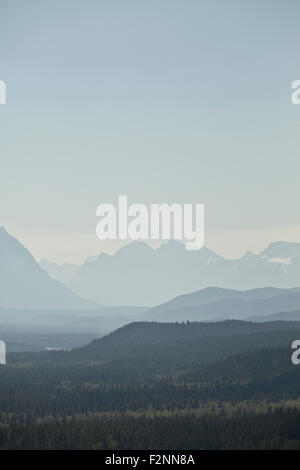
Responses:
[160,100]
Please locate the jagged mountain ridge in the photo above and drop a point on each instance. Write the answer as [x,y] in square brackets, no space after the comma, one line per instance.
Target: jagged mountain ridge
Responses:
[138,274]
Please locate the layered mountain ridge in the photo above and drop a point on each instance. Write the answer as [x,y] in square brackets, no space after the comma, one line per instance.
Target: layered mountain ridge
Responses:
[140,275]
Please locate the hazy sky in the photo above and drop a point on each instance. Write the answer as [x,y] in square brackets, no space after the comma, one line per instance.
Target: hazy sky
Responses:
[165,101]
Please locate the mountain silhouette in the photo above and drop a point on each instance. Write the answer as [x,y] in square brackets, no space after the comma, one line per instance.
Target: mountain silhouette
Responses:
[24,284]
[61,272]
[215,303]
[140,275]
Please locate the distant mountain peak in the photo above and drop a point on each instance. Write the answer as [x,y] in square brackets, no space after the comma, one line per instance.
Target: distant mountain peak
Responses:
[249,255]
[24,284]
[281,249]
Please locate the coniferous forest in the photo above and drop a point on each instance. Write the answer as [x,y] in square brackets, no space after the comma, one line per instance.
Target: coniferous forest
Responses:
[225,385]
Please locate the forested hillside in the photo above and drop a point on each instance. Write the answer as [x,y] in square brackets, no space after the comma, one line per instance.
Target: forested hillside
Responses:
[187,381]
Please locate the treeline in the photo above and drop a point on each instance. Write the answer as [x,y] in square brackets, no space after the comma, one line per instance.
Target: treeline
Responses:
[144,350]
[276,430]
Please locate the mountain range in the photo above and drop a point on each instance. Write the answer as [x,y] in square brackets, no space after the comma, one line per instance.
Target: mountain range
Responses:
[213,304]
[140,275]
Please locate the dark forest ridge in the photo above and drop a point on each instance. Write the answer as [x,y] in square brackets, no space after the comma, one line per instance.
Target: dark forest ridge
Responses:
[161,345]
